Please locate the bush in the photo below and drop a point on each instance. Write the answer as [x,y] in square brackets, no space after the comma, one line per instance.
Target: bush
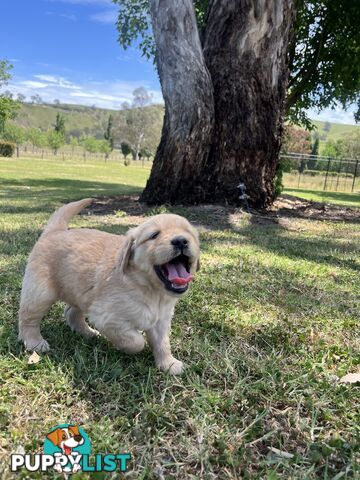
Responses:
[284,166]
[7,149]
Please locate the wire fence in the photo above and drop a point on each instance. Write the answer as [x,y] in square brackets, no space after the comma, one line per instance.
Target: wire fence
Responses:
[76,153]
[302,171]
[315,172]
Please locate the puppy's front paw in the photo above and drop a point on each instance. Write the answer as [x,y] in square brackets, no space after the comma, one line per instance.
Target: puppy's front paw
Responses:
[171,365]
[38,345]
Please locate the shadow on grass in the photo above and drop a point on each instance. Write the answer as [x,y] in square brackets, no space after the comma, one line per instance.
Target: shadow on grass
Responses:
[276,239]
[105,375]
[56,190]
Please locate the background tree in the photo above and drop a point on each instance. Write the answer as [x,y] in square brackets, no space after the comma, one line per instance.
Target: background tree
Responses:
[322,68]
[351,145]
[315,146]
[348,146]
[8,106]
[147,153]
[59,126]
[36,99]
[36,137]
[14,133]
[333,148]
[105,148]
[323,72]
[9,94]
[138,119]
[125,149]
[296,139]
[90,144]
[224,89]
[108,135]
[21,98]
[55,140]
[74,142]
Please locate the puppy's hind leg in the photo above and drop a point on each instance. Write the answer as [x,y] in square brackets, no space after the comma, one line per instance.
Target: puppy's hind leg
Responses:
[128,341]
[35,302]
[76,322]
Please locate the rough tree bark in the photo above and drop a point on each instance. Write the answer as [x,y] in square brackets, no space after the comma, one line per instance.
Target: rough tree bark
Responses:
[245,47]
[189,106]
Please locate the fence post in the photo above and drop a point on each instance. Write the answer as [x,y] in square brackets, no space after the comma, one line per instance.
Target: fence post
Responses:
[355,173]
[346,174]
[327,172]
[337,181]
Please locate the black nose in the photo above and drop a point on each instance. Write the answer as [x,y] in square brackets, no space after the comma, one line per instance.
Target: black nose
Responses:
[78,438]
[179,242]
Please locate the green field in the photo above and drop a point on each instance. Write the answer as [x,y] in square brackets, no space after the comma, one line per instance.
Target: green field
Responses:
[79,119]
[337,130]
[311,188]
[269,326]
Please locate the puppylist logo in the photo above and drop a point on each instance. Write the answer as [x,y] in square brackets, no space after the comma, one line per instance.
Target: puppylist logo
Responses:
[67,450]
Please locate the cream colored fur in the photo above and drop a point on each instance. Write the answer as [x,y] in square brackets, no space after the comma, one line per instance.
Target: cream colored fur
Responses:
[107,278]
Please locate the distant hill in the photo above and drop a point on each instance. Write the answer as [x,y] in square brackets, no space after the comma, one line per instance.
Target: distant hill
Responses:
[79,120]
[336,131]
[83,120]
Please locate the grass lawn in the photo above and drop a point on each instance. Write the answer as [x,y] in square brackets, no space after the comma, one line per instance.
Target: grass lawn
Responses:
[338,198]
[269,326]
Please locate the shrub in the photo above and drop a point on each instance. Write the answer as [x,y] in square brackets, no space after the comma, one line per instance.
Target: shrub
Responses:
[7,149]
[125,149]
[284,166]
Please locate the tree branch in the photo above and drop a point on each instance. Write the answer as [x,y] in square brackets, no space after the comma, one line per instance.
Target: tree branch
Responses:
[307,71]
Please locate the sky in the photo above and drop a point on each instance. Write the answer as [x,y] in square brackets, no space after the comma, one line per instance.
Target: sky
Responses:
[68,50]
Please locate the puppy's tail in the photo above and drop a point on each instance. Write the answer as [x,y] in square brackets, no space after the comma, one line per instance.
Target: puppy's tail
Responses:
[60,219]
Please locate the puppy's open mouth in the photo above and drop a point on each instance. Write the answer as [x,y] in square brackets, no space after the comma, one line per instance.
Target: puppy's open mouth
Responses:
[175,274]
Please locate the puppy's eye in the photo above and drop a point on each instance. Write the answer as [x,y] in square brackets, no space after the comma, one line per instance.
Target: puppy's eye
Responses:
[154,235]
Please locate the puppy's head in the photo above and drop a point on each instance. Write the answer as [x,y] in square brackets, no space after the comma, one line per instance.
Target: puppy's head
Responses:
[166,249]
[66,438]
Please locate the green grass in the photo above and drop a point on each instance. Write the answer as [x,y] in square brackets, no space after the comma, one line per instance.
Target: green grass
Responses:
[337,130]
[337,198]
[269,325]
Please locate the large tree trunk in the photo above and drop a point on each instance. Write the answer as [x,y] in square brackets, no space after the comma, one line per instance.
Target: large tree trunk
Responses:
[176,175]
[245,47]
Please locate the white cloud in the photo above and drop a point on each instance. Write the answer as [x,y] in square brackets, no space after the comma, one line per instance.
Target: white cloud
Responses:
[337,115]
[108,17]
[59,81]
[102,94]
[32,85]
[68,16]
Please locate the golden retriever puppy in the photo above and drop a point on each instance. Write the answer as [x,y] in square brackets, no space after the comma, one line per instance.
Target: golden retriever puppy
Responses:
[123,284]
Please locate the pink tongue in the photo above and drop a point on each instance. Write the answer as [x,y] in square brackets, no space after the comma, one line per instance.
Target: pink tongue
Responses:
[177,274]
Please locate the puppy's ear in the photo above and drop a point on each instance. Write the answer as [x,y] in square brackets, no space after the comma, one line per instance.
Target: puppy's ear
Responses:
[125,253]
[198,265]
[74,429]
[54,436]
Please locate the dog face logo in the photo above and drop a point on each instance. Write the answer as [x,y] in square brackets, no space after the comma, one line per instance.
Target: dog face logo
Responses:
[68,443]
[66,438]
